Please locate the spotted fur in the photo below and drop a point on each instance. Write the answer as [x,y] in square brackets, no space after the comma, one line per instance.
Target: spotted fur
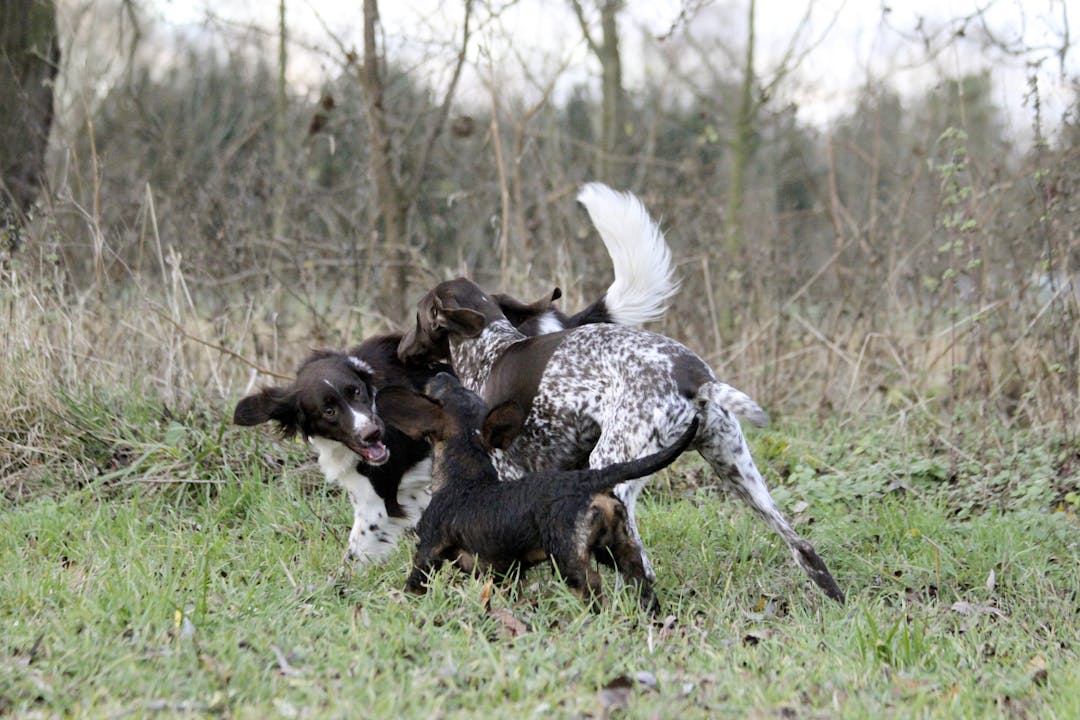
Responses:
[604,394]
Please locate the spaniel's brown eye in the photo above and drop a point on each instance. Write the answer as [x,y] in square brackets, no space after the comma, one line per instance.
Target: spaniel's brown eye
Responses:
[329,411]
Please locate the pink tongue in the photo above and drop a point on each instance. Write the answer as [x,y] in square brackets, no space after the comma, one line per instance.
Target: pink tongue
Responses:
[374,453]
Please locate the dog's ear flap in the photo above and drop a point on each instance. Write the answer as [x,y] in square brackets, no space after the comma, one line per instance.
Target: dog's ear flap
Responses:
[503,423]
[463,321]
[518,312]
[416,415]
[414,343]
[269,404]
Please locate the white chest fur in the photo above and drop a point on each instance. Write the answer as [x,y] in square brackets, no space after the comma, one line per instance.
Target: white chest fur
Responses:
[374,535]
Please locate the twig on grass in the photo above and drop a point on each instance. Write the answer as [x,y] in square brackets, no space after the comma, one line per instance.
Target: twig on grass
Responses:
[166,481]
[325,525]
[292,580]
[283,662]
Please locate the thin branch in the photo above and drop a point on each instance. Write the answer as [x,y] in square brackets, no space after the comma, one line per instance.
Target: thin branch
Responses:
[236,356]
[689,9]
[500,165]
[790,61]
[437,125]
[580,13]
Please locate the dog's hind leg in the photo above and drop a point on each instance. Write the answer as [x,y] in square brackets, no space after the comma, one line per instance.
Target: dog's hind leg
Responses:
[722,444]
[627,494]
[612,545]
[569,538]
[626,438]
[610,449]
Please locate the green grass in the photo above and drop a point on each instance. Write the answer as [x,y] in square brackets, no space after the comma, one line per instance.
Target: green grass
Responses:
[224,593]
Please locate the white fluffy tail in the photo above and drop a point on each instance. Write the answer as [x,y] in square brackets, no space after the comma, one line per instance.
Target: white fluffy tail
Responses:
[734,400]
[644,280]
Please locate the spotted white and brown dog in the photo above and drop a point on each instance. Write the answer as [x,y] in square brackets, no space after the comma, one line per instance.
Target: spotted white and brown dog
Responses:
[385,473]
[598,395]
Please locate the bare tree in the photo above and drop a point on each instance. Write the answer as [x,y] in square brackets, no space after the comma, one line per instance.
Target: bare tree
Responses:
[281,110]
[613,111]
[397,191]
[29,57]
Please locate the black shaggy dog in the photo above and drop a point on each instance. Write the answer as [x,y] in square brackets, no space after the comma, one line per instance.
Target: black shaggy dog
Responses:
[567,516]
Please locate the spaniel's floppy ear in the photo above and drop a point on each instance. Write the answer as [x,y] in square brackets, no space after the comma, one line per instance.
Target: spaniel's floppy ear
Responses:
[277,404]
[416,415]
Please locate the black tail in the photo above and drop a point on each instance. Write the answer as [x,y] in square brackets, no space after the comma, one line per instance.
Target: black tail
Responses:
[606,478]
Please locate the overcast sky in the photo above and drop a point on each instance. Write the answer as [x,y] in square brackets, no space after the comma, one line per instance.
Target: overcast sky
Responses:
[849,38]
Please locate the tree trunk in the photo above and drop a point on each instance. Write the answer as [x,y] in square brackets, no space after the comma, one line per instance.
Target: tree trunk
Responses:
[396,195]
[612,112]
[29,58]
[280,115]
[740,151]
[393,211]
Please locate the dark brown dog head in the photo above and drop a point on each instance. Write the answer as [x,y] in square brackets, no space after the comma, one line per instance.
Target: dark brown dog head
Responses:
[455,307]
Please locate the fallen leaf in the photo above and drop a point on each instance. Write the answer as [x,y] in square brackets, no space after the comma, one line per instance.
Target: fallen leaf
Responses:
[509,625]
[1038,669]
[485,595]
[991,580]
[211,665]
[614,696]
[754,637]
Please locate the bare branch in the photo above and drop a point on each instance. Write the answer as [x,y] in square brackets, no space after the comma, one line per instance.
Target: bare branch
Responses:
[791,61]
[689,9]
[439,122]
[224,350]
[580,13]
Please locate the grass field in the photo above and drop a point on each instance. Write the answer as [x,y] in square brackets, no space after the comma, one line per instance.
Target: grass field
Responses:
[194,569]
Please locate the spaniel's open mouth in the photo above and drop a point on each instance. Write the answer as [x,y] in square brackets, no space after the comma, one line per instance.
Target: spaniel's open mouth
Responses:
[375,453]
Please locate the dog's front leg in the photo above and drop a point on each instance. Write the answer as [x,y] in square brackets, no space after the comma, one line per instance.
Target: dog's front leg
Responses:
[373,535]
[426,562]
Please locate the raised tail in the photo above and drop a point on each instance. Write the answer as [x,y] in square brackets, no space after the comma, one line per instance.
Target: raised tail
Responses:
[644,281]
[734,400]
[599,479]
